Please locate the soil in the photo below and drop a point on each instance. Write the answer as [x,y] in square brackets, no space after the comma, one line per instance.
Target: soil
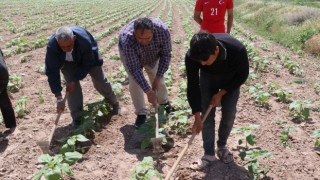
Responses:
[114,151]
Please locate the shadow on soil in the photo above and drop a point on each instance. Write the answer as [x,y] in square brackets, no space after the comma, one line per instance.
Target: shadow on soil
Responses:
[133,142]
[68,131]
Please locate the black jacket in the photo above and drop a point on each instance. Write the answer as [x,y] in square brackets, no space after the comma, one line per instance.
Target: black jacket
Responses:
[85,54]
[231,66]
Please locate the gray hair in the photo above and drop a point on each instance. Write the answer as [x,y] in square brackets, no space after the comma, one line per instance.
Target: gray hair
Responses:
[64,33]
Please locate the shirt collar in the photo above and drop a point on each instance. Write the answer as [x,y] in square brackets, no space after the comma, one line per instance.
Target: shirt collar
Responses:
[222,53]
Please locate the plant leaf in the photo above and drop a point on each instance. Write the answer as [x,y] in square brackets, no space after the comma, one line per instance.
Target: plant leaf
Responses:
[45,158]
[72,157]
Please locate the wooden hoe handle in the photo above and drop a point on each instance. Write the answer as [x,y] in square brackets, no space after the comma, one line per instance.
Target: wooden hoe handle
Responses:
[173,168]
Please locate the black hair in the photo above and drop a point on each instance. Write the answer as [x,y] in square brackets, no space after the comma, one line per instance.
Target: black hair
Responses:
[143,24]
[202,45]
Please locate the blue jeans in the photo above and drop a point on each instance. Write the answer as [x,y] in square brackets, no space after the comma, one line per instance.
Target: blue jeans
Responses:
[210,85]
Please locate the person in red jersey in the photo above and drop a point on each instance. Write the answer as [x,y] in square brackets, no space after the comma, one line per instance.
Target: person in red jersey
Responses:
[213,13]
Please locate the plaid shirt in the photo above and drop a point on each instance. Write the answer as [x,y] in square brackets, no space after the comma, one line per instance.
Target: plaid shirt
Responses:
[136,56]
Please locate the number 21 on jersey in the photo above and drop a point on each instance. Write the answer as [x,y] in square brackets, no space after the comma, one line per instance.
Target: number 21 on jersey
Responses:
[214,11]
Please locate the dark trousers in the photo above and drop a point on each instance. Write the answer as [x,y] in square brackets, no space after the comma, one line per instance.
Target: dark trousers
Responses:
[7,110]
[209,86]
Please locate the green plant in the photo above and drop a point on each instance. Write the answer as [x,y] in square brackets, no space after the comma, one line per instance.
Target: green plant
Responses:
[147,130]
[272,87]
[179,121]
[300,109]
[316,134]
[21,107]
[55,166]
[41,69]
[145,170]
[40,93]
[25,58]
[253,164]
[293,68]
[70,144]
[252,76]
[284,136]
[115,57]
[316,88]
[247,132]
[261,64]
[89,116]
[283,95]
[15,83]
[261,97]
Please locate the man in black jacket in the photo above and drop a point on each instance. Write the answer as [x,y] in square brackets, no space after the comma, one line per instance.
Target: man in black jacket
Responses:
[223,64]
[75,52]
[5,103]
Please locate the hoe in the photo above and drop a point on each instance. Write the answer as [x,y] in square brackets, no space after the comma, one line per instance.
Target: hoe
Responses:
[45,145]
[157,141]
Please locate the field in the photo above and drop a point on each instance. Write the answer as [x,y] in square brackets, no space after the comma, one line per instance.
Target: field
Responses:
[278,109]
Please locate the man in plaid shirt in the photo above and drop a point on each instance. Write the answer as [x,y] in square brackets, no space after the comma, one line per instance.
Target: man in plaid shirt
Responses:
[146,43]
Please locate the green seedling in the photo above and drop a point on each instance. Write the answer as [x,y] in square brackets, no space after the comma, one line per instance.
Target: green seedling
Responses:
[25,58]
[300,109]
[89,116]
[285,137]
[117,88]
[177,41]
[261,98]
[15,83]
[41,69]
[316,134]
[252,76]
[21,107]
[147,130]
[40,93]
[179,121]
[115,57]
[272,87]
[261,64]
[283,95]
[70,144]
[55,166]
[145,170]
[253,165]
[247,132]
[317,88]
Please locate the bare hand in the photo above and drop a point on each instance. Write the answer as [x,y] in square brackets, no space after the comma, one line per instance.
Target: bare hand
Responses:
[197,125]
[156,83]
[71,86]
[60,105]
[152,98]
[216,99]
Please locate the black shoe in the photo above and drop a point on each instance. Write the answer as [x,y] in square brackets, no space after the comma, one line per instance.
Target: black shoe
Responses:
[141,119]
[116,110]
[168,107]
[75,124]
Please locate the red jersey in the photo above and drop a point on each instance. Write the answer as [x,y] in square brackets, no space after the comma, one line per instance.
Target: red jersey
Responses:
[213,12]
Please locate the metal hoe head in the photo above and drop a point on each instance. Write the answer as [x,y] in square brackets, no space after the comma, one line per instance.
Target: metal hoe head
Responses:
[157,145]
[44,146]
